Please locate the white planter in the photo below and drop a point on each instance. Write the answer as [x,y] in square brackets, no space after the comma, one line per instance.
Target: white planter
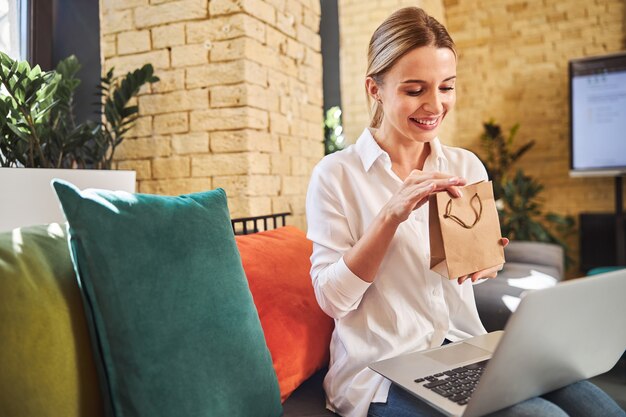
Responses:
[27,198]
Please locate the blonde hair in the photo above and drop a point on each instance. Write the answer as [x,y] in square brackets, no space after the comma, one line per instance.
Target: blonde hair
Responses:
[403,31]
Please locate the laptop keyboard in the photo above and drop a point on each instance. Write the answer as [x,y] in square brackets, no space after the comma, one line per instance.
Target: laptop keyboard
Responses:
[457,384]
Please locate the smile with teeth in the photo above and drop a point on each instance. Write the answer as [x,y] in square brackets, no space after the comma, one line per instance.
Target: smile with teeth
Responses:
[427,122]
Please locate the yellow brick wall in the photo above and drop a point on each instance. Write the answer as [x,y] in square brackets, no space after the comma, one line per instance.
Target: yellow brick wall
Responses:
[239,104]
[513,68]
[358,20]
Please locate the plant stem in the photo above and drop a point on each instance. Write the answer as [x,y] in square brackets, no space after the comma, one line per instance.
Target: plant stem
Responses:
[30,122]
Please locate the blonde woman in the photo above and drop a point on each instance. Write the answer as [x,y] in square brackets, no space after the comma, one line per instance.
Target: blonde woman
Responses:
[368,222]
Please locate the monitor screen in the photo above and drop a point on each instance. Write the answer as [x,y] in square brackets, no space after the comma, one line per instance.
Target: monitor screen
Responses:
[598,115]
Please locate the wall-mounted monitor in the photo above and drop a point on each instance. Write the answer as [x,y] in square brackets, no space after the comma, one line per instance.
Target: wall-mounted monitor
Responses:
[598,115]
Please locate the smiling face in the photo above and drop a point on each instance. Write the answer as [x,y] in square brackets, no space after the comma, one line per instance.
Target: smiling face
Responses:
[416,94]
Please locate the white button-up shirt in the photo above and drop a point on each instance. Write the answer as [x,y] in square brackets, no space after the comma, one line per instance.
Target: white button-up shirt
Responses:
[408,307]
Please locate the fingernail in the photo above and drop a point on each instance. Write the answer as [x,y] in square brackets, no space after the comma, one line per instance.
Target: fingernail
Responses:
[453,179]
[459,192]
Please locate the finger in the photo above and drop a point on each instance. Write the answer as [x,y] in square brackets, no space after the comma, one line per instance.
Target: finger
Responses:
[420,203]
[483,275]
[423,190]
[415,191]
[479,275]
[420,176]
[451,185]
[504,241]
[486,273]
[455,192]
[420,194]
[462,279]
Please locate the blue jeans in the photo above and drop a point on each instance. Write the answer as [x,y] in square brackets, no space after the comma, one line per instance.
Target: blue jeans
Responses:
[582,399]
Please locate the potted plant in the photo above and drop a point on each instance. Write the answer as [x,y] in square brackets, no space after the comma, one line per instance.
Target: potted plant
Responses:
[517,195]
[333,131]
[40,136]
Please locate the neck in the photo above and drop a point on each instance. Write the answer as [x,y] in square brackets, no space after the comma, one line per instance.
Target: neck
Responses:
[406,155]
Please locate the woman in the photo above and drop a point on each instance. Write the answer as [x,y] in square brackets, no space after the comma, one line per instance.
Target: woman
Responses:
[368,221]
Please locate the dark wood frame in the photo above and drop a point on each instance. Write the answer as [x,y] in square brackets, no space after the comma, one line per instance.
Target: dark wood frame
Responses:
[39,51]
[241,225]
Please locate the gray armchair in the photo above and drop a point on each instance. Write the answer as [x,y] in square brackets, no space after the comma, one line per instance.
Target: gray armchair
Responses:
[529,265]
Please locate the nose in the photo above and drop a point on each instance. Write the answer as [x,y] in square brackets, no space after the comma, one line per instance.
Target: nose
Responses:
[433,102]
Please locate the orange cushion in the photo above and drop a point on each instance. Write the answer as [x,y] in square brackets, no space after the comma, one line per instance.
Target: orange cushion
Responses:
[297,331]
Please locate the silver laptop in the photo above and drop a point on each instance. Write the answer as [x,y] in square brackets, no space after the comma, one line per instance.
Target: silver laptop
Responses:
[557,336]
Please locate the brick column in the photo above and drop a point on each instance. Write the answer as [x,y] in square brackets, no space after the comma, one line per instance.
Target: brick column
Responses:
[239,104]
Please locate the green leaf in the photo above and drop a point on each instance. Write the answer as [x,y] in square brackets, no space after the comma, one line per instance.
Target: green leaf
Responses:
[38,108]
[12,70]
[20,132]
[512,133]
[522,150]
[68,67]
[129,111]
[44,111]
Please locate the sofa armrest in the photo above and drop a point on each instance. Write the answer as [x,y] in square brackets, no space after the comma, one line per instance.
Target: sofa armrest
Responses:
[529,265]
[536,253]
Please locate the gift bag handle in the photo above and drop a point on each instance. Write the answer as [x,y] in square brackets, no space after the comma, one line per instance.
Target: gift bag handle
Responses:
[454,218]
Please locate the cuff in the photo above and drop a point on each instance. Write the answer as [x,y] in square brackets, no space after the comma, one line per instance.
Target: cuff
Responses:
[350,286]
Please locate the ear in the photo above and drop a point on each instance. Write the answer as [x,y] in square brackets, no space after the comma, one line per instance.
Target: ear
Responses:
[372,88]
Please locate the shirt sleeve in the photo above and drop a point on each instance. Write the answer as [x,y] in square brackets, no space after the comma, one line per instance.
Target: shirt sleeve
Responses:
[476,169]
[337,289]
[464,163]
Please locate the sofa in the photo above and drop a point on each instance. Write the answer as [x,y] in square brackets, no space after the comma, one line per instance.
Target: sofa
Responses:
[255,330]
[49,354]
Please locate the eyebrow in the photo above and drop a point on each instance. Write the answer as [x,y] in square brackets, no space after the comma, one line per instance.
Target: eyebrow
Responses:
[424,82]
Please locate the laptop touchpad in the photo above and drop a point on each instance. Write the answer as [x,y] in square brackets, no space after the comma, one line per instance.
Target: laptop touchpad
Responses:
[457,353]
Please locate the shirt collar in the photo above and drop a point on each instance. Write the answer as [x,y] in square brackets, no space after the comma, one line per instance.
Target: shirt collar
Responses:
[369,151]
[436,161]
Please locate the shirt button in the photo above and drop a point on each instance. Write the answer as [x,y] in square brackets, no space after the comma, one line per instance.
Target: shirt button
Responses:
[436,292]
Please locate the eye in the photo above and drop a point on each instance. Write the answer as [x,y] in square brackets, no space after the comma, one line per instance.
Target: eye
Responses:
[414,93]
[447,88]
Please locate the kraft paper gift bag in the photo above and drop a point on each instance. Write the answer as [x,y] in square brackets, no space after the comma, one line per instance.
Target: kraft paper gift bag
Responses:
[464,231]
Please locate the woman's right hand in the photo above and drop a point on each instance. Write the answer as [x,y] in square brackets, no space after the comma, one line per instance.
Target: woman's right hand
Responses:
[365,257]
[416,189]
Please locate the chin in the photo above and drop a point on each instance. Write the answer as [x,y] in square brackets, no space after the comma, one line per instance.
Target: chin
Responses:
[424,137]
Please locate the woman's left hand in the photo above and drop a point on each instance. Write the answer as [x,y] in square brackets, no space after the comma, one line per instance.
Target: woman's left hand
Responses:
[485,273]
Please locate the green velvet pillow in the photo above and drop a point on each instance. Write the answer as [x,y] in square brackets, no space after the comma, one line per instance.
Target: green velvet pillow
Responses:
[169,306]
[46,365]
